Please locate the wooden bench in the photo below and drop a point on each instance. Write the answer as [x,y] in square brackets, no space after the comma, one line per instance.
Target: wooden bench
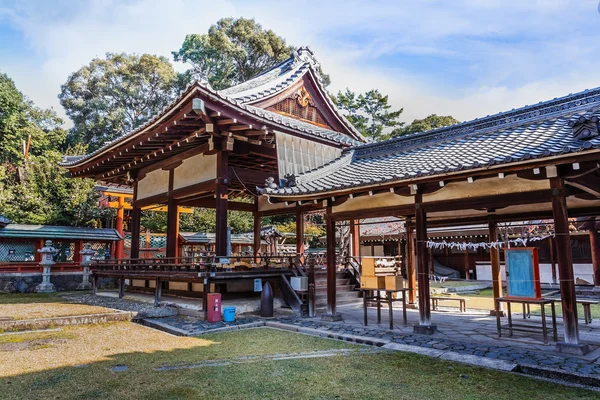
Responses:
[462,302]
[587,311]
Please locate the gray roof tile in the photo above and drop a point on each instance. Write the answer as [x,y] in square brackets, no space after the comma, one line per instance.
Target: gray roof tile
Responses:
[531,132]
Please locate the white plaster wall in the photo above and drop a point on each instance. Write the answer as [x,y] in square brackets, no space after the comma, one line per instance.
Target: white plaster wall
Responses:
[196,169]
[155,182]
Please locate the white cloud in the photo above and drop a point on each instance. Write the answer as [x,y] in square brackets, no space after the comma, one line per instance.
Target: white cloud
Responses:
[493,55]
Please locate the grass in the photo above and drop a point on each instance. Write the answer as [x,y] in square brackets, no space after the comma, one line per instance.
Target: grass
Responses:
[42,305]
[452,284]
[84,370]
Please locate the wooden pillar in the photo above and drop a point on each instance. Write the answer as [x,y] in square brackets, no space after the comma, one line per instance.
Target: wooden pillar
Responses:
[136,214]
[467,266]
[121,286]
[119,227]
[157,292]
[172,228]
[552,245]
[257,241]
[425,326]
[431,265]
[332,314]
[565,268]
[221,203]
[495,264]
[411,275]
[595,248]
[300,234]
[354,238]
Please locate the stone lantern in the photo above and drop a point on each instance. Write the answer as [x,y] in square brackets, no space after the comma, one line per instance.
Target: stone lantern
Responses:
[47,252]
[86,262]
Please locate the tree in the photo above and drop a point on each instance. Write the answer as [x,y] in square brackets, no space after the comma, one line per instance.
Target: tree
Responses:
[21,121]
[233,51]
[200,220]
[369,112]
[109,97]
[43,194]
[426,124]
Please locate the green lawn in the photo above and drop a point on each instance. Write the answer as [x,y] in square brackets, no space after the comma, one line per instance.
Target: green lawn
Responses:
[386,375]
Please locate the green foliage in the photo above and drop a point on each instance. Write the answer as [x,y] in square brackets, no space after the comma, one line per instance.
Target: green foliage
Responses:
[201,220]
[233,51]
[109,97]
[19,119]
[41,193]
[369,112]
[433,121]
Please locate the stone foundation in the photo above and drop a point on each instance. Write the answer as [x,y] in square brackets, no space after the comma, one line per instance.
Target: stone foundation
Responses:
[63,281]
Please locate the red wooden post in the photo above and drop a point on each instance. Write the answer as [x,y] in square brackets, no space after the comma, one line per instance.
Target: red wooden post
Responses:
[221,203]
[332,314]
[119,227]
[565,269]
[425,326]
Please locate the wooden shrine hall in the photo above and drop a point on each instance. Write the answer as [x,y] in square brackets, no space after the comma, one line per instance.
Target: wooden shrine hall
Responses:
[277,144]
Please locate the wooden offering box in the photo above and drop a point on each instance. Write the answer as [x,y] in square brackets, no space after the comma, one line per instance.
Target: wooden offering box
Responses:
[393,282]
[372,282]
[368,266]
[522,273]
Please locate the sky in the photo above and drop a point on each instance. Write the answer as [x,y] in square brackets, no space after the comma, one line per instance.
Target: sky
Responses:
[465,58]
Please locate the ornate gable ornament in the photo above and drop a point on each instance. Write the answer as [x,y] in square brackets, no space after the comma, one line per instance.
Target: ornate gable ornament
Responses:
[585,128]
[303,97]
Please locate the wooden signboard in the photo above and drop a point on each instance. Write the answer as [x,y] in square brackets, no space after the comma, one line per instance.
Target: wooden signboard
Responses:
[522,273]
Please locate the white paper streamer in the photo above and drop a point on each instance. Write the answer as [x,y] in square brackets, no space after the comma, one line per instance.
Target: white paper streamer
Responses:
[485,245]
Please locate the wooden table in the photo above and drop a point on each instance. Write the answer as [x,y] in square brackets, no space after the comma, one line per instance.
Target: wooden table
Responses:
[462,302]
[390,300]
[527,327]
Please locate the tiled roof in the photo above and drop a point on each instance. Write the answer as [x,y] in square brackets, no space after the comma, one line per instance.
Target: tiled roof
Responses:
[279,78]
[530,132]
[303,128]
[18,231]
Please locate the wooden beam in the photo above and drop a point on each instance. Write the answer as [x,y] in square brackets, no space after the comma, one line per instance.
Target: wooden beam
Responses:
[355,238]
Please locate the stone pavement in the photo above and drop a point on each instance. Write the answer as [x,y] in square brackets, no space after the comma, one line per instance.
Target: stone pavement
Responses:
[469,334]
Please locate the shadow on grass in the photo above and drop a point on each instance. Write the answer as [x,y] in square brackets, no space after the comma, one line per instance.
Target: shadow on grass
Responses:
[374,376]
[24,298]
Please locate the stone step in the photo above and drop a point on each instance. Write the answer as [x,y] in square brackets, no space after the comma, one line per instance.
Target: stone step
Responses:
[338,282]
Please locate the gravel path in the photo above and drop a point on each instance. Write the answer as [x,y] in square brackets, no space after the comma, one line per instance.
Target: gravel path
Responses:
[144,310]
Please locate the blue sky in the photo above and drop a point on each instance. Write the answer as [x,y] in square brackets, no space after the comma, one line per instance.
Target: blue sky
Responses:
[467,58]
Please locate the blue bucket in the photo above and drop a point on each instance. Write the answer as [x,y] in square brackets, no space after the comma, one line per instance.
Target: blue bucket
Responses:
[228,314]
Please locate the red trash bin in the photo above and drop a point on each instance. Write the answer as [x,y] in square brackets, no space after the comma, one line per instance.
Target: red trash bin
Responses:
[213,302]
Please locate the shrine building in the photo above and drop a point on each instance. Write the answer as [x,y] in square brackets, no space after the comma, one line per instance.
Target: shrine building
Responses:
[277,144]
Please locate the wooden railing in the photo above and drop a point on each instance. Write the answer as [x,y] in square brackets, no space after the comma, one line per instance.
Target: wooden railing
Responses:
[34,267]
[199,264]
